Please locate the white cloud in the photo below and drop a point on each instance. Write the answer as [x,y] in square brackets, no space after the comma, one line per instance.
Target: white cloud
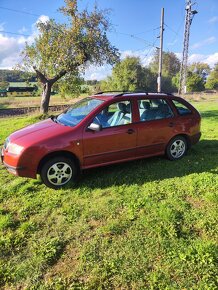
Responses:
[204,42]
[213,19]
[144,55]
[210,59]
[10,46]
[42,18]
[100,73]
[97,73]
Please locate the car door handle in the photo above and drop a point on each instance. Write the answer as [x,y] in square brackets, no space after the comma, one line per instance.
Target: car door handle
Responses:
[130,131]
[171,124]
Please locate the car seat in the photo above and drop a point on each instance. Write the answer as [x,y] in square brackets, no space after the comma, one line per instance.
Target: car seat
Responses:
[117,118]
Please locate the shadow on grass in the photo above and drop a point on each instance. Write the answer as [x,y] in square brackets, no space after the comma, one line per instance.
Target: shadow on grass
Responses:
[202,157]
[209,114]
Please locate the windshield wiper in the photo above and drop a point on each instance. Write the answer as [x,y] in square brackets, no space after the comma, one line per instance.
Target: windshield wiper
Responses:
[54,119]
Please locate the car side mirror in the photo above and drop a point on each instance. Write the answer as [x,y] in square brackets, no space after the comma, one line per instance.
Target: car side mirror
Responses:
[95,127]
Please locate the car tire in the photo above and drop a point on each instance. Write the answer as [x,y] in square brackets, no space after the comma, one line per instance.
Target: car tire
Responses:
[59,172]
[176,148]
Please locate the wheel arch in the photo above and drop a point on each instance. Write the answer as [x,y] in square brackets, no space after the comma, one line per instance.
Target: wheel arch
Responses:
[66,154]
[187,138]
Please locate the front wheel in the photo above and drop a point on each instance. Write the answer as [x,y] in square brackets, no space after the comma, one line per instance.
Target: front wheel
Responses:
[176,148]
[58,172]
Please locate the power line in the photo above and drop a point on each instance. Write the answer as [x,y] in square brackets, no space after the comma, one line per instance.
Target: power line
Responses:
[135,37]
[3,31]
[19,11]
[157,28]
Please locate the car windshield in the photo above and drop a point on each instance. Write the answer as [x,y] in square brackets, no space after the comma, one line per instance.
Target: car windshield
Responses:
[78,111]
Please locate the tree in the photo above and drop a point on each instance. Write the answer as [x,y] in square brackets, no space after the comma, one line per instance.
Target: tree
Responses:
[212,81]
[200,68]
[170,68]
[130,75]
[4,85]
[69,85]
[194,83]
[65,49]
[171,63]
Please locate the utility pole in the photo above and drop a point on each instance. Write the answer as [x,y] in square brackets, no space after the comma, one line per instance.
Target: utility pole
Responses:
[159,79]
[183,70]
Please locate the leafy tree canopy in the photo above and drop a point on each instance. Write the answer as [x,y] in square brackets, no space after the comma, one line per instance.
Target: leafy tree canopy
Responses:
[212,81]
[130,75]
[200,68]
[62,49]
[171,63]
[194,83]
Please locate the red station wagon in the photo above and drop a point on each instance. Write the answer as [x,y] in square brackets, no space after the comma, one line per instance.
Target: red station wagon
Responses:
[103,129]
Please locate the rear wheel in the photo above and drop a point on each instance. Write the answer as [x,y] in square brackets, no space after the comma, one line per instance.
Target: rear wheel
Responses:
[58,172]
[176,148]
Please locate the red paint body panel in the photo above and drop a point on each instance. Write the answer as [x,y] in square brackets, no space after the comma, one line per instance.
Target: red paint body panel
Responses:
[97,148]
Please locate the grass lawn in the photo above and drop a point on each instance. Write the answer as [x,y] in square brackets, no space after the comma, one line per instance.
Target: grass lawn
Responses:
[148,224]
[20,102]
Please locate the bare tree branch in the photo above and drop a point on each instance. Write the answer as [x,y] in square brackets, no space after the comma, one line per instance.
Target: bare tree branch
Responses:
[40,75]
[58,76]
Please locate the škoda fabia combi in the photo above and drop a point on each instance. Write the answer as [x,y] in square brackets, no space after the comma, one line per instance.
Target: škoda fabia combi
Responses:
[103,129]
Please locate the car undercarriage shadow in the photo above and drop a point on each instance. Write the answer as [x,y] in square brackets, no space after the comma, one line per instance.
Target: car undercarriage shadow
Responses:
[202,157]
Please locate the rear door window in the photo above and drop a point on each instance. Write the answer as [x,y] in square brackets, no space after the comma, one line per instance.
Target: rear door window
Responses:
[181,108]
[154,109]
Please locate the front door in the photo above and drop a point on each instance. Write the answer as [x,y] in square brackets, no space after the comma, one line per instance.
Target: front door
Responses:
[116,141]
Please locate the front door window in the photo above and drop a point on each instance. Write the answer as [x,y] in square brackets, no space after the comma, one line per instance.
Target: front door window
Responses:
[116,114]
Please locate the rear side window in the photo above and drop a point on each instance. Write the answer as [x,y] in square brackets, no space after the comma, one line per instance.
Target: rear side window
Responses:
[154,109]
[181,108]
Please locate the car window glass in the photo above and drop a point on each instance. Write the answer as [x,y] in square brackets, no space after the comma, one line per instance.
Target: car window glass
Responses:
[78,111]
[154,109]
[116,114]
[182,109]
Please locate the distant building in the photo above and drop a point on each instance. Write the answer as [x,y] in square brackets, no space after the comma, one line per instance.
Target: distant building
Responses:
[3,93]
[21,91]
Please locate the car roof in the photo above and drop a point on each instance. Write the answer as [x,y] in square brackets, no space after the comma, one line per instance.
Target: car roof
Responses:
[111,95]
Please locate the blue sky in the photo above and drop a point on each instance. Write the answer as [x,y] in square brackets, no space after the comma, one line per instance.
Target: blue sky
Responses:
[135,28]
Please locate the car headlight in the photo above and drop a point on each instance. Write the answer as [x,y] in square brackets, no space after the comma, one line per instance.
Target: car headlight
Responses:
[7,141]
[14,149]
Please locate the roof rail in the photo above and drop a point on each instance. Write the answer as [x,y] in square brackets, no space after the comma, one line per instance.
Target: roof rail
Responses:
[164,93]
[103,92]
[121,93]
[133,92]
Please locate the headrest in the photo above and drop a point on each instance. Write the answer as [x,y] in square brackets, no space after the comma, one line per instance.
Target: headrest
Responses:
[145,105]
[128,108]
[122,107]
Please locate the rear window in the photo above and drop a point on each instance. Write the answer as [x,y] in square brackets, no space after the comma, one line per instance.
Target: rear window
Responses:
[154,109]
[181,108]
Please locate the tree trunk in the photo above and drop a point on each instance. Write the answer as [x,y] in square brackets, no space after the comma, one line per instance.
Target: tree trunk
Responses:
[47,85]
[45,97]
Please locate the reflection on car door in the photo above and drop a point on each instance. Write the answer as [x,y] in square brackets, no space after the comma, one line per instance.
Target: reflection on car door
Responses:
[109,145]
[155,130]
[115,142]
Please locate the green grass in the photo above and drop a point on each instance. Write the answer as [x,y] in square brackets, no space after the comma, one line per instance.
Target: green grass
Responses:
[148,224]
[18,102]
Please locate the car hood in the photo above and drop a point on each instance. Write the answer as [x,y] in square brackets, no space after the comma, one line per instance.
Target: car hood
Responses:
[39,131]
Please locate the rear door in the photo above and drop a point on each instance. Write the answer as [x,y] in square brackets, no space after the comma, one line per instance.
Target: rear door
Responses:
[155,128]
